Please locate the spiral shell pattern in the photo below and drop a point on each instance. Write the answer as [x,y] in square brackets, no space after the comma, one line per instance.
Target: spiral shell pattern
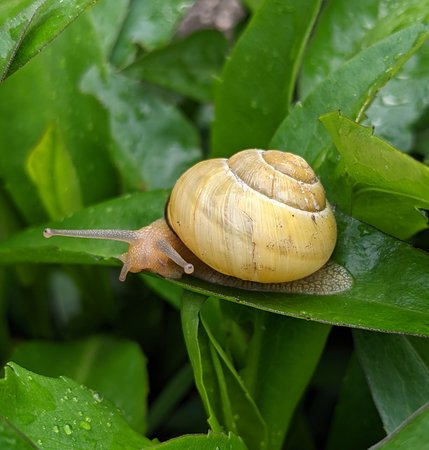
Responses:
[258,216]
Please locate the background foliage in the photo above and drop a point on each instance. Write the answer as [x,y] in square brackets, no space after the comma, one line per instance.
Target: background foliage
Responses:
[102,105]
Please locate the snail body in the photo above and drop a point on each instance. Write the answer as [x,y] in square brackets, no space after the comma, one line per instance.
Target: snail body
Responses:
[257,221]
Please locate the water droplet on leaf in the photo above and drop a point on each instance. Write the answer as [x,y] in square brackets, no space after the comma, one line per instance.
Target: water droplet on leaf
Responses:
[98,397]
[85,425]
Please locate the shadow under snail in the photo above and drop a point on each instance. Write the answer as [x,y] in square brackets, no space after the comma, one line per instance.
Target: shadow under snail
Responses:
[257,221]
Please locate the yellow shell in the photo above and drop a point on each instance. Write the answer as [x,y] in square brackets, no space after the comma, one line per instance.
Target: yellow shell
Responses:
[259,216]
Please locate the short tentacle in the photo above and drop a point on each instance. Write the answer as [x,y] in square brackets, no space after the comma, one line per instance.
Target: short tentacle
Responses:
[171,253]
[124,271]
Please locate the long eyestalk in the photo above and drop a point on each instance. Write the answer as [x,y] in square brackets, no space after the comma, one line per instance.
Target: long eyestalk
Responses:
[114,235]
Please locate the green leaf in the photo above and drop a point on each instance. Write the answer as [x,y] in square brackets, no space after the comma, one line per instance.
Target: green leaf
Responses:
[63,414]
[350,88]
[27,26]
[253,4]
[213,441]
[411,434]
[100,363]
[390,277]
[242,391]
[154,142]
[401,103]
[397,375]
[355,420]
[107,18]
[188,66]
[46,93]
[282,352]
[345,29]
[12,439]
[198,347]
[150,25]
[386,188]
[224,395]
[49,164]
[257,83]
[239,412]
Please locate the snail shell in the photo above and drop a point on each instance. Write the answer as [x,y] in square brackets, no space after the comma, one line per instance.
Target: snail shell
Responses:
[259,216]
[258,220]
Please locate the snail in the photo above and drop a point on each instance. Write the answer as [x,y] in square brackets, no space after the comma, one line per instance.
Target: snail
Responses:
[257,221]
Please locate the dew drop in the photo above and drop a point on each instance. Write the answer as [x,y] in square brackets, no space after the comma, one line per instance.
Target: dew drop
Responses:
[98,397]
[67,429]
[56,429]
[84,425]
[108,424]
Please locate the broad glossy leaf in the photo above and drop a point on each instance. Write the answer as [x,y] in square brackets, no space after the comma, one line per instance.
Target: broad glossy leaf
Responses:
[149,24]
[345,29]
[213,441]
[350,88]
[63,414]
[107,18]
[411,434]
[46,93]
[154,142]
[390,277]
[188,67]
[256,86]
[386,188]
[397,375]
[156,22]
[401,103]
[355,420]
[100,363]
[27,26]
[54,175]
